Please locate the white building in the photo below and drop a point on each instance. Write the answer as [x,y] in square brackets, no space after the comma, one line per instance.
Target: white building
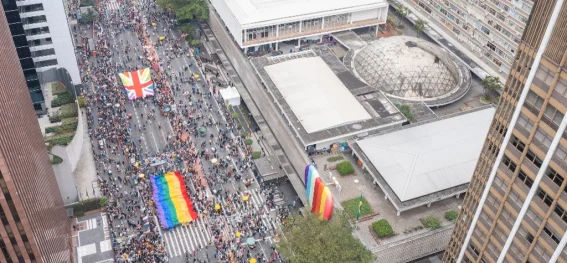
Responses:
[48,35]
[254,23]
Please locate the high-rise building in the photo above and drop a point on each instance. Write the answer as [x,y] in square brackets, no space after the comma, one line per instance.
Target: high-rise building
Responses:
[490,29]
[26,61]
[33,223]
[516,206]
[43,40]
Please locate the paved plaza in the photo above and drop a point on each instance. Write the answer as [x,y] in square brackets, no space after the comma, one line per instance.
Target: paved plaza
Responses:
[91,239]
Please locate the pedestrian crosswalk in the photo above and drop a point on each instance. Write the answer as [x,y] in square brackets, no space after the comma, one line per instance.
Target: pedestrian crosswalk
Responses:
[185,239]
[258,203]
[112,5]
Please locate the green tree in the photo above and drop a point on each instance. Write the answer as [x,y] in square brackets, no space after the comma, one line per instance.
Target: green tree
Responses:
[419,26]
[186,10]
[490,83]
[403,13]
[90,16]
[311,240]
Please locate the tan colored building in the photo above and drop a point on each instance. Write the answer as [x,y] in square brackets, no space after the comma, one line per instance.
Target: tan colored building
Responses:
[490,29]
[33,223]
[516,206]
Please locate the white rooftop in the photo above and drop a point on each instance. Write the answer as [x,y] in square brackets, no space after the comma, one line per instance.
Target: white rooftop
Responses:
[258,11]
[229,93]
[431,157]
[315,94]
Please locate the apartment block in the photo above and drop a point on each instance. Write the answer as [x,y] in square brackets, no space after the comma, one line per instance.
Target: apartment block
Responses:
[490,29]
[515,209]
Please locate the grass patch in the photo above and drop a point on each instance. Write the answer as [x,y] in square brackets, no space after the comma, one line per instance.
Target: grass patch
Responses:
[406,111]
[58,88]
[60,139]
[485,99]
[334,158]
[351,207]
[62,99]
[69,111]
[451,215]
[382,228]
[256,155]
[56,159]
[55,118]
[345,168]
[431,222]
[82,102]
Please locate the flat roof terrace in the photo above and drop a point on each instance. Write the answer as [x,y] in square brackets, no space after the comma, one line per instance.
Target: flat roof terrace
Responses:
[250,13]
[320,97]
[426,162]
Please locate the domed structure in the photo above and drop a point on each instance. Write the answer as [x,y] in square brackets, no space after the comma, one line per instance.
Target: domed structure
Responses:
[410,68]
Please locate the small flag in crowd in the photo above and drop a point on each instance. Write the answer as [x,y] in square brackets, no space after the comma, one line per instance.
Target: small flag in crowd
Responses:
[359,208]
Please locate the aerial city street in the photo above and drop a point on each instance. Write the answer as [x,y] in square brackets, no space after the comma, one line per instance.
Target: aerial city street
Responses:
[279,131]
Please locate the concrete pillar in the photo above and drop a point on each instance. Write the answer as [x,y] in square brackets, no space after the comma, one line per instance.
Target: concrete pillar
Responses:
[386,196]
[398,214]
[376,33]
[322,23]
[277,45]
[321,39]
[300,25]
[298,42]
[277,30]
[458,196]
[245,35]
[429,205]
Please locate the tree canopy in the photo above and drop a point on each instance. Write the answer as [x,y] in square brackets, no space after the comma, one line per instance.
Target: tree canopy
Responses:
[186,9]
[419,26]
[310,240]
[491,83]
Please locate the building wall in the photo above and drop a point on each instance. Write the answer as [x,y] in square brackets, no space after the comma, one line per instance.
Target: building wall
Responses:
[33,223]
[229,20]
[491,29]
[522,216]
[59,33]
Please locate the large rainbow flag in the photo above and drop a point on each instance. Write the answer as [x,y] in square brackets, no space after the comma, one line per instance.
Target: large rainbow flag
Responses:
[173,204]
[318,194]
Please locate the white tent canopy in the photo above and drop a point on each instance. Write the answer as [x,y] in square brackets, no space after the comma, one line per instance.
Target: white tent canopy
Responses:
[230,96]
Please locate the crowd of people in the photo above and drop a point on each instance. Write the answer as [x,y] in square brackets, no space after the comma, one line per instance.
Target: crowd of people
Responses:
[124,167]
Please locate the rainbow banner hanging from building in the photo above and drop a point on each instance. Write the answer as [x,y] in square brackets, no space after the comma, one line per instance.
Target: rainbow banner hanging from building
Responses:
[173,204]
[318,194]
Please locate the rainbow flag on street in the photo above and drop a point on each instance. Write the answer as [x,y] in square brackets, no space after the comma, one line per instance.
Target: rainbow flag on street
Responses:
[170,196]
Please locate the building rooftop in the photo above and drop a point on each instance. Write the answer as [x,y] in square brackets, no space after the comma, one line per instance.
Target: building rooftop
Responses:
[252,13]
[431,157]
[338,93]
[315,94]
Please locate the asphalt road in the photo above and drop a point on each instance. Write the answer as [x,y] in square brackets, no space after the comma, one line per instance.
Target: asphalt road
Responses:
[153,139]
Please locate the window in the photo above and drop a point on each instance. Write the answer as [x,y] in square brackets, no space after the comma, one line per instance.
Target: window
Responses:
[46,63]
[515,198]
[37,31]
[552,117]
[526,123]
[544,196]
[43,52]
[519,145]
[551,233]
[509,163]
[31,8]
[543,137]
[560,212]
[561,87]
[34,19]
[525,179]
[533,102]
[554,176]
[545,75]
[533,158]
[535,218]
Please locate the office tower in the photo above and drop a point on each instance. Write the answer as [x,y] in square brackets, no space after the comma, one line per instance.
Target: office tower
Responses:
[26,61]
[33,223]
[490,29]
[42,37]
[516,206]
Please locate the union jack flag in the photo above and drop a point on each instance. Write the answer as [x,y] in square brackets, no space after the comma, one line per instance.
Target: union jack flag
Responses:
[138,84]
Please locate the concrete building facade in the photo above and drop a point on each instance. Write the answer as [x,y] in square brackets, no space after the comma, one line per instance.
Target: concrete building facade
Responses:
[255,23]
[516,206]
[33,222]
[490,29]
